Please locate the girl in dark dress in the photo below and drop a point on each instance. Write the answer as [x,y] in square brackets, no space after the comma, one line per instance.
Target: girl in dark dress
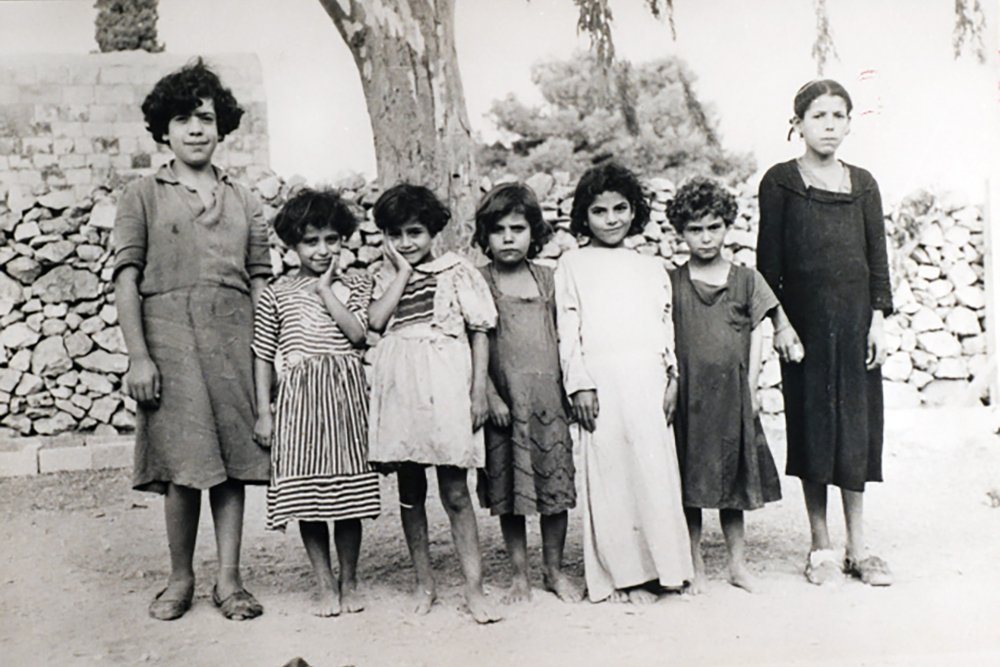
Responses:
[822,249]
[529,452]
[724,460]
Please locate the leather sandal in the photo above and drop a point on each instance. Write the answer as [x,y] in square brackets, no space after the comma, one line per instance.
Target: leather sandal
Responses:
[821,567]
[172,609]
[240,606]
[871,570]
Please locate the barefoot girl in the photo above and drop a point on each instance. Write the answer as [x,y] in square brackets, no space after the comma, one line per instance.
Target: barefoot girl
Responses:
[723,456]
[616,344]
[529,453]
[821,247]
[191,257]
[429,381]
[318,433]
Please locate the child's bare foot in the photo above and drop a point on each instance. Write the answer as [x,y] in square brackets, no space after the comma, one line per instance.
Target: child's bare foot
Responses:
[740,577]
[327,601]
[698,585]
[351,601]
[519,591]
[481,608]
[564,588]
[423,600]
[618,596]
[640,595]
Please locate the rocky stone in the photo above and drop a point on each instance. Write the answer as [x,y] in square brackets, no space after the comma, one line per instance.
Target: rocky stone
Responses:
[82,401]
[928,272]
[20,423]
[962,322]
[92,325]
[104,408]
[923,360]
[53,327]
[50,358]
[974,345]
[10,290]
[64,283]
[57,200]
[541,183]
[926,319]
[109,314]
[945,393]
[21,360]
[55,310]
[269,187]
[940,344]
[29,384]
[35,321]
[919,379]
[952,368]
[89,253]
[110,340]
[60,392]
[9,377]
[95,382]
[102,215]
[770,374]
[106,362]
[771,401]
[17,336]
[940,289]
[123,420]
[26,231]
[897,367]
[70,409]
[56,252]
[962,275]
[971,296]
[60,422]
[24,269]
[78,344]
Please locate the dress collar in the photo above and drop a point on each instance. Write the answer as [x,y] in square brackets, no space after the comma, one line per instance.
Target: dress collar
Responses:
[166,174]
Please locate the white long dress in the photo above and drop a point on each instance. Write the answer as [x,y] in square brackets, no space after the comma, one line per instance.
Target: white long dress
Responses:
[616,335]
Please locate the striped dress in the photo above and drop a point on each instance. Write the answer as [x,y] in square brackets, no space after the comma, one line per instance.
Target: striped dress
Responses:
[319,451]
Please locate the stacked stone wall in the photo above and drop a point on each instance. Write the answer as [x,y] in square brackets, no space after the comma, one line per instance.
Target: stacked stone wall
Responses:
[62,356]
[73,122]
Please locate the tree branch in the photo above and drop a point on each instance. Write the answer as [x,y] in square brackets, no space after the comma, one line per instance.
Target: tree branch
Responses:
[970,23]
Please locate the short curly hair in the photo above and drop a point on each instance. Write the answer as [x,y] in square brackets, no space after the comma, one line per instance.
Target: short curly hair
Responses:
[608,177]
[503,200]
[404,203]
[181,92]
[321,208]
[699,197]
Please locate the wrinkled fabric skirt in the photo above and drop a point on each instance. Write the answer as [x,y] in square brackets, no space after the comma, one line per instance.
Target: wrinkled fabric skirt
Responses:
[201,434]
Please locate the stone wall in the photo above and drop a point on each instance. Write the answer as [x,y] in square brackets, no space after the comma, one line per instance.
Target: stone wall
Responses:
[62,355]
[72,122]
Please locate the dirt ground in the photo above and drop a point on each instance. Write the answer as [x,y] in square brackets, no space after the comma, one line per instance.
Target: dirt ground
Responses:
[82,556]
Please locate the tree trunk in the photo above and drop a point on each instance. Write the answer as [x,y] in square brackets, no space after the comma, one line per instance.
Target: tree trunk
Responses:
[405,54]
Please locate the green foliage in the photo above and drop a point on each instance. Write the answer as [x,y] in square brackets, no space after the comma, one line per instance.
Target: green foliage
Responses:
[126,25]
[646,116]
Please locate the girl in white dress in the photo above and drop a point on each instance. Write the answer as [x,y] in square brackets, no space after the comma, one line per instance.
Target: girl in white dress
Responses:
[616,347]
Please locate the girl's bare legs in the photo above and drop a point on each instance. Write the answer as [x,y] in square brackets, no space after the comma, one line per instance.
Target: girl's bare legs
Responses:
[181,508]
[226,500]
[693,516]
[347,536]
[732,528]
[412,481]
[553,542]
[815,496]
[516,541]
[316,540]
[853,514]
[454,491]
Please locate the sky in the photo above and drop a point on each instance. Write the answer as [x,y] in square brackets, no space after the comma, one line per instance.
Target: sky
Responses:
[922,118]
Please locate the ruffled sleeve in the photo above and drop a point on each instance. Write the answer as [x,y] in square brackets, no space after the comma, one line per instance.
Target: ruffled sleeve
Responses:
[474,298]
[265,326]
[568,326]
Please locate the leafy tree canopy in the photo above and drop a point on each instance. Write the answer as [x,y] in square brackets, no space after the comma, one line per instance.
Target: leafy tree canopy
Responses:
[126,25]
[646,116]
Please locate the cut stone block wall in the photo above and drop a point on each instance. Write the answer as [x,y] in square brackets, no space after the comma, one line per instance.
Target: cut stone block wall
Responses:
[73,122]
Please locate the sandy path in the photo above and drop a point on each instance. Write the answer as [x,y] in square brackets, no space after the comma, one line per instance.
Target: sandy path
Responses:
[82,555]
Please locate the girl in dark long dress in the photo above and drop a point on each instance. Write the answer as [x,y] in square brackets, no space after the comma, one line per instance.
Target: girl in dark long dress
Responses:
[718,308]
[822,249]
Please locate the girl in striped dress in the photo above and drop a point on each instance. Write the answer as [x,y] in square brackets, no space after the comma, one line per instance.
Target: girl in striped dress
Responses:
[313,322]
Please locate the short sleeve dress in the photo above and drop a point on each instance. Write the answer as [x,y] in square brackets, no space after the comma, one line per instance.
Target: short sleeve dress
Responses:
[529,464]
[824,255]
[722,452]
[421,410]
[319,451]
[196,263]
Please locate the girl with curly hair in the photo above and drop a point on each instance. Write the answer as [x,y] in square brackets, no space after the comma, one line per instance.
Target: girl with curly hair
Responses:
[616,345]
[723,455]
[191,259]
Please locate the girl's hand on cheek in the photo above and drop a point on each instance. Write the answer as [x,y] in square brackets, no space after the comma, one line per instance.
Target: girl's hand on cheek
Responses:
[327,277]
[586,408]
[395,258]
